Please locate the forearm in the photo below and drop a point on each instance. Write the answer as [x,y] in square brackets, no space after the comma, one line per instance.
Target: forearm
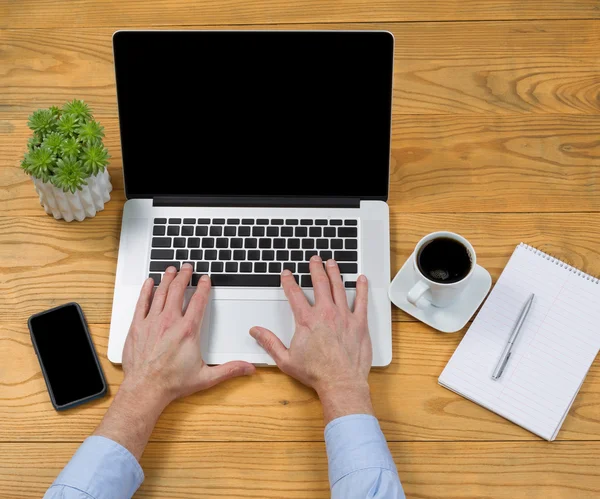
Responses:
[131,417]
[343,399]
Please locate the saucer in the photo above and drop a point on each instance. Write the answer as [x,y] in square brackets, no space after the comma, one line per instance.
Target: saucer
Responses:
[448,319]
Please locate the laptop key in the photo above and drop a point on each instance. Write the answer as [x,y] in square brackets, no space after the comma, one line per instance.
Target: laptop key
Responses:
[189,221]
[337,244]
[187,230]
[239,255]
[347,232]
[202,267]
[308,243]
[219,221]
[306,222]
[260,267]
[329,232]
[160,220]
[196,278]
[161,242]
[315,232]
[222,242]
[273,231]
[346,256]
[348,268]
[229,231]
[258,231]
[208,242]
[174,220]
[278,243]
[335,222]
[351,244]
[293,243]
[231,267]
[193,242]
[350,284]
[243,231]
[250,243]
[309,254]
[162,254]
[297,256]
[253,255]
[251,280]
[156,278]
[322,244]
[274,268]
[262,221]
[291,266]
[245,267]
[283,255]
[350,222]
[202,230]
[320,222]
[233,221]
[173,230]
[236,242]
[306,281]
[287,231]
[247,221]
[268,255]
[210,255]
[225,255]
[162,266]
[181,254]
[179,242]
[159,230]
[264,243]
[277,221]
[301,232]
[216,267]
[215,230]
[303,268]
[196,254]
[203,221]
[291,221]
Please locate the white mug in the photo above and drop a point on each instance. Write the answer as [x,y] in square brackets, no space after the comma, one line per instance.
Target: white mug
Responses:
[426,292]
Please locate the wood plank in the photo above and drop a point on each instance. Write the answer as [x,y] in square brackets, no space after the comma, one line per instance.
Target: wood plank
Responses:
[514,163]
[440,68]
[465,470]
[87,13]
[44,262]
[270,406]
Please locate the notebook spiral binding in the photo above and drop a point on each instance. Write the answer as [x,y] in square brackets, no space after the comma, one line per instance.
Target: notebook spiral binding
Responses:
[560,263]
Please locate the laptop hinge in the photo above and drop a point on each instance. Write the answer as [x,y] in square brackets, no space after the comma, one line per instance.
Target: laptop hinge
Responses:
[262,201]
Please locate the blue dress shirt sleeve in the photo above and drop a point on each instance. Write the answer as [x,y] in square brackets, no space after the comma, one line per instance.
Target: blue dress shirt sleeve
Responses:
[100,469]
[360,463]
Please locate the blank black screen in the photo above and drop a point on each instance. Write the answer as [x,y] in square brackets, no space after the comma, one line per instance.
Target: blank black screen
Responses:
[255,113]
[66,354]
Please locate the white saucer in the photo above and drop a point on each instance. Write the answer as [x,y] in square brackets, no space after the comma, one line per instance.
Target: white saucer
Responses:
[448,319]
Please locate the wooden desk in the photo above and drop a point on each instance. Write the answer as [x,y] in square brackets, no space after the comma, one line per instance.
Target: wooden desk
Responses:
[496,135]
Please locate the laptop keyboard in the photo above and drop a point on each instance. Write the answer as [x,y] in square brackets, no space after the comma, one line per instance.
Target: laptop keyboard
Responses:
[253,252]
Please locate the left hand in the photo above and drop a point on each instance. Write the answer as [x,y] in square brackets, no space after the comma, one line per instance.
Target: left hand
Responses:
[162,351]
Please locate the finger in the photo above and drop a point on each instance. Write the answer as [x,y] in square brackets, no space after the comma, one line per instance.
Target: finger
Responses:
[320,281]
[143,303]
[362,297]
[337,286]
[160,295]
[271,343]
[294,294]
[178,287]
[197,305]
[212,376]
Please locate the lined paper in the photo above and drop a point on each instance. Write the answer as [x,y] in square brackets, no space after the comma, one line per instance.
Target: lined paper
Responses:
[553,353]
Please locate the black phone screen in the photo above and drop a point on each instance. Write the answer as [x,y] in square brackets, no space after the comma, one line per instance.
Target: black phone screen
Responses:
[66,354]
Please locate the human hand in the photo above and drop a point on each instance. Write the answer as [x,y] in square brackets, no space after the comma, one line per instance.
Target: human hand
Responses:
[331,348]
[162,351]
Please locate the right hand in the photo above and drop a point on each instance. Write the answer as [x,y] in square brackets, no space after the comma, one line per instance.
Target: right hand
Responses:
[331,348]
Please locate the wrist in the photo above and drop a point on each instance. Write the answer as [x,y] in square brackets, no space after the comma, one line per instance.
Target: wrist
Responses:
[343,399]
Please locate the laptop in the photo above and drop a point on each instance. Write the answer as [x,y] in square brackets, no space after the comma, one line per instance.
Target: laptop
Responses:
[245,153]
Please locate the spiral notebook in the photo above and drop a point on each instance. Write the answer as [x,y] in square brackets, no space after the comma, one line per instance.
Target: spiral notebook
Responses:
[553,353]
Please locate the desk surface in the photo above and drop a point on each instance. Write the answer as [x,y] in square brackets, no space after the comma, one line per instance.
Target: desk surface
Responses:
[496,135]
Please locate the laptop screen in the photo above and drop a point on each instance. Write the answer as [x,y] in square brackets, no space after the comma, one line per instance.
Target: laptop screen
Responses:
[246,113]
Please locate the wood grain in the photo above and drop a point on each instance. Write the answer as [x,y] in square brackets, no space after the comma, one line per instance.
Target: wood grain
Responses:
[504,163]
[440,68]
[57,13]
[464,470]
[270,406]
[45,262]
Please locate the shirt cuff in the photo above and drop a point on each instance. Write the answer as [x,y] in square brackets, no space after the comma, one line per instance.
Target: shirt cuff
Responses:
[102,469]
[354,443]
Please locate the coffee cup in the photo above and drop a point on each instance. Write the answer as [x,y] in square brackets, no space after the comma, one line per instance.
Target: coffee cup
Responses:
[443,263]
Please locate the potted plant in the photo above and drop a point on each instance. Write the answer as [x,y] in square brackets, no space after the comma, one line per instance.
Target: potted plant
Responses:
[67,161]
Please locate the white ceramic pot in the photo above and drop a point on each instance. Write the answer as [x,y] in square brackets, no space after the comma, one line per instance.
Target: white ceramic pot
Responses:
[83,204]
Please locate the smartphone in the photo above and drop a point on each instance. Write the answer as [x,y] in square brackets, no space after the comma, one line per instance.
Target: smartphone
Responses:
[64,347]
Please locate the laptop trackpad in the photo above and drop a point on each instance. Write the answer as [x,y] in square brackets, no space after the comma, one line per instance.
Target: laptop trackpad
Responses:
[227,322]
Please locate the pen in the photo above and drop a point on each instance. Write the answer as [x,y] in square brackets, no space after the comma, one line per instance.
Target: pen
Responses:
[511,340]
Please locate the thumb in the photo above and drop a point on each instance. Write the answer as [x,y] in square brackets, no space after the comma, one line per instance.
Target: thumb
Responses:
[271,343]
[217,374]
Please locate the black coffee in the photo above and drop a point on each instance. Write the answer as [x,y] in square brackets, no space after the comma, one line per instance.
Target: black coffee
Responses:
[444,260]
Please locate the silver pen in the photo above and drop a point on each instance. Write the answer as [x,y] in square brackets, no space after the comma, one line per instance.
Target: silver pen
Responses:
[511,340]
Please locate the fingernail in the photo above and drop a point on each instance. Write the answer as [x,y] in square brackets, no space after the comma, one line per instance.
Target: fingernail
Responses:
[286,272]
[148,281]
[316,258]
[255,333]
[171,270]
[362,278]
[187,266]
[205,278]
[331,263]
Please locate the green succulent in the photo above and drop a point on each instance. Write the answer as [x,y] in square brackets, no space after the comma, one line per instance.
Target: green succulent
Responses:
[42,122]
[77,108]
[70,147]
[66,147]
[95,158]
[69,175]
[67,124]
[40,163]
[90,132]
[53,141]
